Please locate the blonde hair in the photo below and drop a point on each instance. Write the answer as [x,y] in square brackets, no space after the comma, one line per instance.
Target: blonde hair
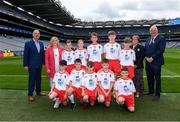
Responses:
[127,40]
[54,38]
[137,37]
[80,40]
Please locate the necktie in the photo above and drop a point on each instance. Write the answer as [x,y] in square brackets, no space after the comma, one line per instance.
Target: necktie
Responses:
[151,41]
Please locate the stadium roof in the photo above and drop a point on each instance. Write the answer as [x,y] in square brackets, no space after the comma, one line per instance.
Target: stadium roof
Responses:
[50,10]
[121,23]
[53,12]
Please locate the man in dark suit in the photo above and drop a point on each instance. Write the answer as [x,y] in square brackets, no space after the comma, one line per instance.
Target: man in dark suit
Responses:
[154,49]
[32,60]
[138,66]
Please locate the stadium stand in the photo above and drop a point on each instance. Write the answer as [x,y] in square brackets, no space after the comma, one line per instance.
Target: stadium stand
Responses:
[20,18]
[14,44]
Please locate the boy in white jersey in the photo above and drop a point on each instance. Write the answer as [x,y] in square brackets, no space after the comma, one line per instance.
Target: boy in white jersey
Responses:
[89,86]
[127,57]
[60,85]
[69,56]
[105,83]
[124,90]
[111,52]
[81,53]
[75,83]
[95,52]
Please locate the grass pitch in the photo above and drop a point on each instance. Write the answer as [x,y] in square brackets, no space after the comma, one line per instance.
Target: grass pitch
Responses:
[14,106]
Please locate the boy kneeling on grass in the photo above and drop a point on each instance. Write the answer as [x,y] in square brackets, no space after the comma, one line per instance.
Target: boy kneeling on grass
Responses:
[105,83]
[89,86]
[124,90]
[75,91]
[60,85]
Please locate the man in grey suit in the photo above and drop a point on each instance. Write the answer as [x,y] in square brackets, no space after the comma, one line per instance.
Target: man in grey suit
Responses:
[154,49]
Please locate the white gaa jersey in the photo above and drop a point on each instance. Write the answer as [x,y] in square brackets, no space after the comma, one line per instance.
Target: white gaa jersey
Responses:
[83,55]
[90,81]
[124,87]
[61,80]
[76,77]
[105,78]
[95,52]
[68,56]
[127,57]
[112,50]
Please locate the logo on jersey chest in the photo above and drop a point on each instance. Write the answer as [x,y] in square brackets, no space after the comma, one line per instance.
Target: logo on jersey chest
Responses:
[112,50]
[91,82]
[80,56]
[105,81]
[95,52]
[126,57]
[60,82]
[69,57]
[126,89]
[77,78]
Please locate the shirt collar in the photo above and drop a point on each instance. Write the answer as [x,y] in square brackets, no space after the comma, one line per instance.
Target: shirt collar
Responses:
[35,40]
[154,37]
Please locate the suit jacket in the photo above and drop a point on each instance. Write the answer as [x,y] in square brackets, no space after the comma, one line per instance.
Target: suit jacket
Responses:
[156,50]
[139,51]
[31,57]
[50,61]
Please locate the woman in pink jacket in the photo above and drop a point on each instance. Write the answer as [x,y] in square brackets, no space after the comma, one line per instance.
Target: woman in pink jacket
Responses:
[53,55]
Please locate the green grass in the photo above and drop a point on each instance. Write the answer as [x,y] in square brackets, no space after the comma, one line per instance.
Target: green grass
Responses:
[13,66]
[14,106]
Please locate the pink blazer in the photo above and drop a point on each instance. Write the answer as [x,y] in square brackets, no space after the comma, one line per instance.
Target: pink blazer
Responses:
[49,60]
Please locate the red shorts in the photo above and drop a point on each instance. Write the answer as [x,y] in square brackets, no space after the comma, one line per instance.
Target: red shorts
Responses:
[100,92]
[131,71]
[61,94]
[77,92]
[129,100]
[91,94]
[97,66]
[69,68]
[114,65]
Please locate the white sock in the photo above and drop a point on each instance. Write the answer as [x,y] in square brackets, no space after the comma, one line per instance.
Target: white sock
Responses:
[54,99]
[71,98]
[121,103]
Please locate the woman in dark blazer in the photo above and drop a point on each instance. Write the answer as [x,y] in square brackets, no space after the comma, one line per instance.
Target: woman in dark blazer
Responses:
[138,65]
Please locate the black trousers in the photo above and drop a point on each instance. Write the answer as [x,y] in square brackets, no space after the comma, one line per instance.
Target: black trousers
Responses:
[34,79]
[138,80]
[154,78]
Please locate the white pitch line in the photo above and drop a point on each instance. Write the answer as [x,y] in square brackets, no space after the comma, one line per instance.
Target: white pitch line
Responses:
[18,76]
[170,72]
[164,76]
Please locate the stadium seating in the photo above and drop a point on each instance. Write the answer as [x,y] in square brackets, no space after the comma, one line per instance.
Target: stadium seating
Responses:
[23,24]
[14,43]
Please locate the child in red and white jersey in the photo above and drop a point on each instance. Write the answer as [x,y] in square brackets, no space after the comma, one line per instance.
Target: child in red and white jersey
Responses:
[111,51]
[95,52]
[89,85]
[127,57]
[124,90]
[105,83]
